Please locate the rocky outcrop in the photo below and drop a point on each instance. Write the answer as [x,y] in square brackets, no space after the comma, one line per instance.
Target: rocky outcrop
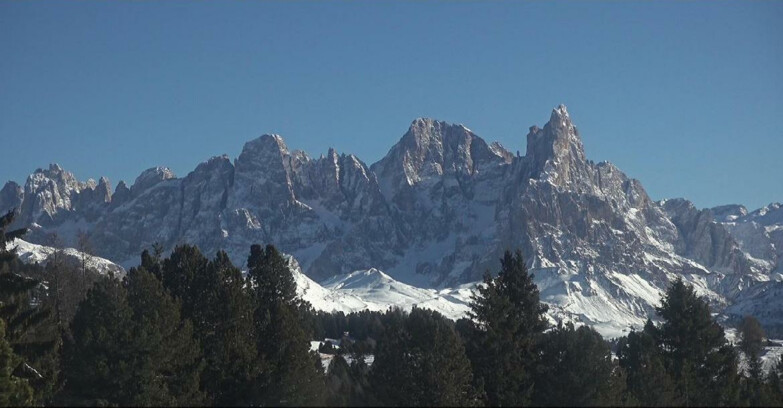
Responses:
[10,197]
[759,234]
[702,239]
[149,178]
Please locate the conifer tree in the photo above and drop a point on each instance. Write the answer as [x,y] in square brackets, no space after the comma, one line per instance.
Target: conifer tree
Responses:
[215,298]
[225,329]
[389,373]
[575,369]
[290,374]
[14,391]
[647,382]
[131,347]
[30,331]
[7,235]
[695,350]
[153,261]
[15,288]
[272,279]
[64,289]
[421,361]
[85,249]
[751,336]
[755,391]
[348,385]
[775,383]
[29,327]
[507,317]
[339,384]
[362,394]
[99,358]
[184,274]
[168,358]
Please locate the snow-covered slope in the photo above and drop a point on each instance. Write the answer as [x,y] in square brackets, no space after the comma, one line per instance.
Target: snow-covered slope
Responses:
[33,253]
[435,213]
[759,235]
[374,290]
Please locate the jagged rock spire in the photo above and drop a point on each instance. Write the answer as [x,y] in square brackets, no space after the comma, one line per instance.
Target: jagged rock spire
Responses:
[121,194]
[103,189]
[557,148]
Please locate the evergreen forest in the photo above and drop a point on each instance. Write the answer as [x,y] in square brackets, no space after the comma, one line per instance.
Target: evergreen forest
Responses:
[190,330]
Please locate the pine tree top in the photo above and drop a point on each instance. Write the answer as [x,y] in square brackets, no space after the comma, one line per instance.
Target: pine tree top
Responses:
[510,301]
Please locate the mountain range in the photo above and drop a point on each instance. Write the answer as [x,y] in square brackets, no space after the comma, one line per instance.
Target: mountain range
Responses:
[434,214]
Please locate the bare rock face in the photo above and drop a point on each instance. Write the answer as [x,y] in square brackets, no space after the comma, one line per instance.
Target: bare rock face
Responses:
[759,234]
[556,152]
[435,155]
[10,197]
[730,212]
[122,194]
[91,202]
[55,205]
[704,240]
[48,193]
[149,178]
[262,177]
[150,216]
[204,194]
[438,210]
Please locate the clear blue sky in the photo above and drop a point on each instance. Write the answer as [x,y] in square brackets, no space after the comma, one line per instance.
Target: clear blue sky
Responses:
[685,96]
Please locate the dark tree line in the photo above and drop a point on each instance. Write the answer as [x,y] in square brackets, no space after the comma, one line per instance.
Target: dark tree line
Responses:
[189,330]
[186,330]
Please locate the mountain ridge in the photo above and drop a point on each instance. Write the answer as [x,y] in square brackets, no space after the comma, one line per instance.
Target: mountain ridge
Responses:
[436,211]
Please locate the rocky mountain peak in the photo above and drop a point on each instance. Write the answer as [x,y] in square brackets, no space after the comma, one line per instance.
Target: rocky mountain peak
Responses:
[425,133]
[103,181]
[432,148]
[55,168]
[560,116]
[90,184]
[263,174]
[54,172]
[730,212]
[499,150]
[265,153]
[213,163]
[151,177]
[65,180]
[121,194]
[263,145]
[10,197]
[556,149]
[49,192]
[772,213]
[332,155]
[422,133]
[102,191]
